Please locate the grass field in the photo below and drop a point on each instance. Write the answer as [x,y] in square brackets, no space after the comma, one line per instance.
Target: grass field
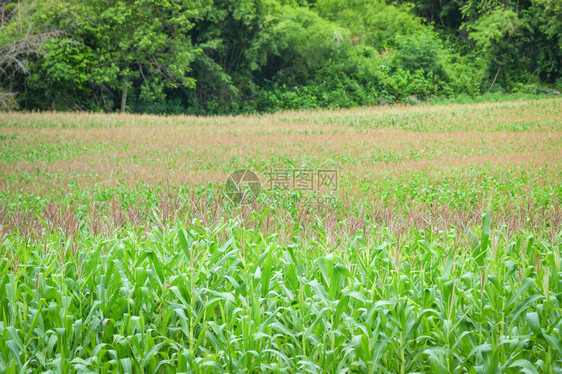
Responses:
[433,246]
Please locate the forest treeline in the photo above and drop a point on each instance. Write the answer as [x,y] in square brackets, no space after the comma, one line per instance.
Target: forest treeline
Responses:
[234,56]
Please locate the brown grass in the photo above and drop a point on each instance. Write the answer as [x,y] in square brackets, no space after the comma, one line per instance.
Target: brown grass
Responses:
[46,152]
[51,154]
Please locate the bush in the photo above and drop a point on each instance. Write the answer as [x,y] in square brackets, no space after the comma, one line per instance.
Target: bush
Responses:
[420,52]
[373,22]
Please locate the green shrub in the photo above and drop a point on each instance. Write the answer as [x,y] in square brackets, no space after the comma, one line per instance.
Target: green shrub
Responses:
[420,52]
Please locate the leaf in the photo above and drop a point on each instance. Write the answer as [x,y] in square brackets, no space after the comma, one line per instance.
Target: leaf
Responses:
[524,305]
[526,366]
[126,365]
[534,323]
[479,254]
[282,329]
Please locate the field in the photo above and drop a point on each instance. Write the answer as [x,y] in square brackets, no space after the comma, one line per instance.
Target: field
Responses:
[392,239]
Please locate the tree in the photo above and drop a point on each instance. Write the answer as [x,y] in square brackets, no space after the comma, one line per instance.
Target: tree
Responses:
[552,18]
[230,34]
[372,21]
[123,46]
[23,36]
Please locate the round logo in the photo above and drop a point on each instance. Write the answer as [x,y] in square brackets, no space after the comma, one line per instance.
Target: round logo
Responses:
[242,186]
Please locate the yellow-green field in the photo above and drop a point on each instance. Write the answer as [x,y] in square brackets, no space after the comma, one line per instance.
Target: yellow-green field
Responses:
[438,250]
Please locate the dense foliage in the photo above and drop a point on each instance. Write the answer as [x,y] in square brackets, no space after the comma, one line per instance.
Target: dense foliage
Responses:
[232,56]
[123,305]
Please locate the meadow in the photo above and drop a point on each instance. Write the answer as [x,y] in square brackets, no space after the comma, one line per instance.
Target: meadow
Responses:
[437,247]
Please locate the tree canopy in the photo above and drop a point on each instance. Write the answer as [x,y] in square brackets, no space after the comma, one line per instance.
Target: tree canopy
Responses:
[233,56]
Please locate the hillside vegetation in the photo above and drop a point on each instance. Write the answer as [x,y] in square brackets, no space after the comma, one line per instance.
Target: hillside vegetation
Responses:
[234,56]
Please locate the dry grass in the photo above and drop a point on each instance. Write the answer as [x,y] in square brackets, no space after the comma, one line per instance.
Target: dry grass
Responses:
[378,152]
[46,152]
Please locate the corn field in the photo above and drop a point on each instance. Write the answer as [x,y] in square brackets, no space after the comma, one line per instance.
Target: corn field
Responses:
[440,250]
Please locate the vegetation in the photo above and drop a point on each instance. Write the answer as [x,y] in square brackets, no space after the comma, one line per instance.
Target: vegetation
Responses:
[439,251]
[233,56]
